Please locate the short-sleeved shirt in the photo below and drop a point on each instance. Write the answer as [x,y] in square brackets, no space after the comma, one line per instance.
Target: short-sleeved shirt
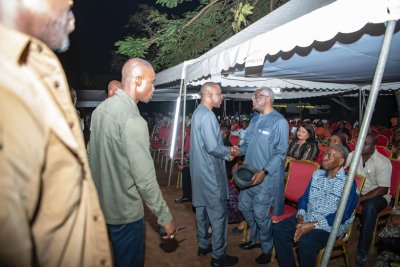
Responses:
[377,172]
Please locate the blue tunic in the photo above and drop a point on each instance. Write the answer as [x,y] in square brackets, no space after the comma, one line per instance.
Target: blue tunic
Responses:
[265,146]
[207,159]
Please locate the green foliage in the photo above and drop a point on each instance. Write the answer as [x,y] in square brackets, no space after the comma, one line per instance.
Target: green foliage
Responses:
[166,40]
[240,14]
[169,3]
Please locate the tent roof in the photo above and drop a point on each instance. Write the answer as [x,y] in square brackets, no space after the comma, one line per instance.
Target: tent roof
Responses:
[334,47]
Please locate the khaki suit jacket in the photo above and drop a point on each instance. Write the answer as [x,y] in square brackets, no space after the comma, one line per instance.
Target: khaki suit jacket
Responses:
[50,213]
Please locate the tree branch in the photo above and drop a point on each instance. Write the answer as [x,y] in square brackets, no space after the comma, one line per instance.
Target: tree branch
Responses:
[199,14]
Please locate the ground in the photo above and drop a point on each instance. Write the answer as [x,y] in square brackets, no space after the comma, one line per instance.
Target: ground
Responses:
[182,252]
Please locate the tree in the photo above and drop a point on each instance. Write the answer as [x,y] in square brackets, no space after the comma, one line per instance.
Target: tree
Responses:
[167,40]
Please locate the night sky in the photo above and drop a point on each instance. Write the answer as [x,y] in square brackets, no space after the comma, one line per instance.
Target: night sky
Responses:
[99,24]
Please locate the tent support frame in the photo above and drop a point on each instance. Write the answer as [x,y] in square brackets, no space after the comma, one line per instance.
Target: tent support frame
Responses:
[363,133]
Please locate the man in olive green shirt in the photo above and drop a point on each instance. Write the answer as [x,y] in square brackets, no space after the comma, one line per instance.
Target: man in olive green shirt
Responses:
[122,167]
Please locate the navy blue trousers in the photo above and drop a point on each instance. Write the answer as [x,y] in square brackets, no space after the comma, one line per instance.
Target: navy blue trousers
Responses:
[370,210]
[127,243]
[308,246]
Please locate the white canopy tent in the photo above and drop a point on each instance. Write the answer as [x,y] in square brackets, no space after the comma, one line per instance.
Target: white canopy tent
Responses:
[334,47]
[343,44]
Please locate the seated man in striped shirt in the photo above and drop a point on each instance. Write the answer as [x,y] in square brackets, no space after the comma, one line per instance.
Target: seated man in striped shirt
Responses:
[311,226]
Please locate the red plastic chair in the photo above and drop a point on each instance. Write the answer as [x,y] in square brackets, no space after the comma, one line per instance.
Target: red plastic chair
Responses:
[387,132]
[299,176]
[384,151]
[178,159]
[382,140]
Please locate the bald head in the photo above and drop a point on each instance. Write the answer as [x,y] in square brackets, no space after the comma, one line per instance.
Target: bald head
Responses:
[137,79]
[50,21]
[211,95]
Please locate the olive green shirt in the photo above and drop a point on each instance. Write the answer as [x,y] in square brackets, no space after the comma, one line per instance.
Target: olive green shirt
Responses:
[122,167]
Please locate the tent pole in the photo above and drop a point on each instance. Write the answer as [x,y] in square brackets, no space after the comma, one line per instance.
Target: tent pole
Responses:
[363,133]
[359,107]
[176,120]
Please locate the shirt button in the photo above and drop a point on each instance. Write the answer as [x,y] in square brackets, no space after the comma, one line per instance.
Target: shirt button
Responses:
[56,84]
[71,124]
[103,262]
[95,218]
[39,48]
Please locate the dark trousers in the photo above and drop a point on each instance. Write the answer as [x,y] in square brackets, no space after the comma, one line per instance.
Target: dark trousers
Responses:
[369,214]
[127,243]
[308,246]
[186,183]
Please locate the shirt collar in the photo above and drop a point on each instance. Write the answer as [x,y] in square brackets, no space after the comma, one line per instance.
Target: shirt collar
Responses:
[125,97]
[16,43]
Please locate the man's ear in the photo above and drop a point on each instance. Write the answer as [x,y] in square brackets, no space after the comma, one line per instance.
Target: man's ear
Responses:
[138,81]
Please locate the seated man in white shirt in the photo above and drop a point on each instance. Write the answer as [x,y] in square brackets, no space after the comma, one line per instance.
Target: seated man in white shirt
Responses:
[375,195]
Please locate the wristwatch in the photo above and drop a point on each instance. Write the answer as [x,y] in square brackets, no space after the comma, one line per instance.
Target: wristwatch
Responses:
[315,225]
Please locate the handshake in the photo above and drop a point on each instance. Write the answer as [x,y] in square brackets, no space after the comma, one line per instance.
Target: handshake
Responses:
[234,152]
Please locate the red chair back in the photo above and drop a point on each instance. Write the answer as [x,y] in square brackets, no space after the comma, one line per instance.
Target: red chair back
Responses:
[395,180]
[384,151]
[387,132]
[351,146]
[234,139]
[375,131]
[186,145]
[299,176]
[382,140]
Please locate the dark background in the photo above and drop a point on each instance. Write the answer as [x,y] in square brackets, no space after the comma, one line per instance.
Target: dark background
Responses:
[100,23]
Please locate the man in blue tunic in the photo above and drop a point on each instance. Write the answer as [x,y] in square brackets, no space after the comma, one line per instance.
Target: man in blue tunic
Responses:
[265,145]
[209,181]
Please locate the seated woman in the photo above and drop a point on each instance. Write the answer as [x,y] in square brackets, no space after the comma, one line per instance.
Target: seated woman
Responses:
[304,146]
[338,139]
[390,238]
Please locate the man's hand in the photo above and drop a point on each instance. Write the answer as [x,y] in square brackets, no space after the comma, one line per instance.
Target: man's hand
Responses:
[234,152]
[300,219]
[303,228]
[170,230]
[258,178]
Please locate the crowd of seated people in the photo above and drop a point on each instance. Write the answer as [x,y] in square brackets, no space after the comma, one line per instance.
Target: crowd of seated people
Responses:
[306,140]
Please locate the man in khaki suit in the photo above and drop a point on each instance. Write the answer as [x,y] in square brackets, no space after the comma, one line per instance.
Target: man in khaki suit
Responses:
[50,213]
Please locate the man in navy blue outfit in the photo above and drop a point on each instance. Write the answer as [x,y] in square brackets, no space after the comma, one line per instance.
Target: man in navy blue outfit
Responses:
[265,146]
[311,226]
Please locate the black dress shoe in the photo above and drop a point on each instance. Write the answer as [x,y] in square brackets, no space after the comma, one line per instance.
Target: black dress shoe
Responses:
[263,258]
[203,251]
[182,200]
[249,245]
[224,261]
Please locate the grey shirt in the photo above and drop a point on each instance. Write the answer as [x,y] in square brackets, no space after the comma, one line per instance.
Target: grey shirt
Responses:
[207,159]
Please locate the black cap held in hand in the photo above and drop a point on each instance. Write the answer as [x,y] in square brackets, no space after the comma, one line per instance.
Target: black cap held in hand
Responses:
[242,176]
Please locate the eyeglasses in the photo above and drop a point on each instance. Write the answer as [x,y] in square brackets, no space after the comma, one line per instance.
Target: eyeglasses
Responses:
[257,97]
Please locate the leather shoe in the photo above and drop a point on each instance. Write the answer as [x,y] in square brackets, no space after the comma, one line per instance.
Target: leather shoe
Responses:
[249,245]
[263,258]
[182,200]
[203,251]
[224,261]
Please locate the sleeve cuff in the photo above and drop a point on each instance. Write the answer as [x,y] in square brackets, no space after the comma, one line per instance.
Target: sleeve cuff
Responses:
[301,212]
